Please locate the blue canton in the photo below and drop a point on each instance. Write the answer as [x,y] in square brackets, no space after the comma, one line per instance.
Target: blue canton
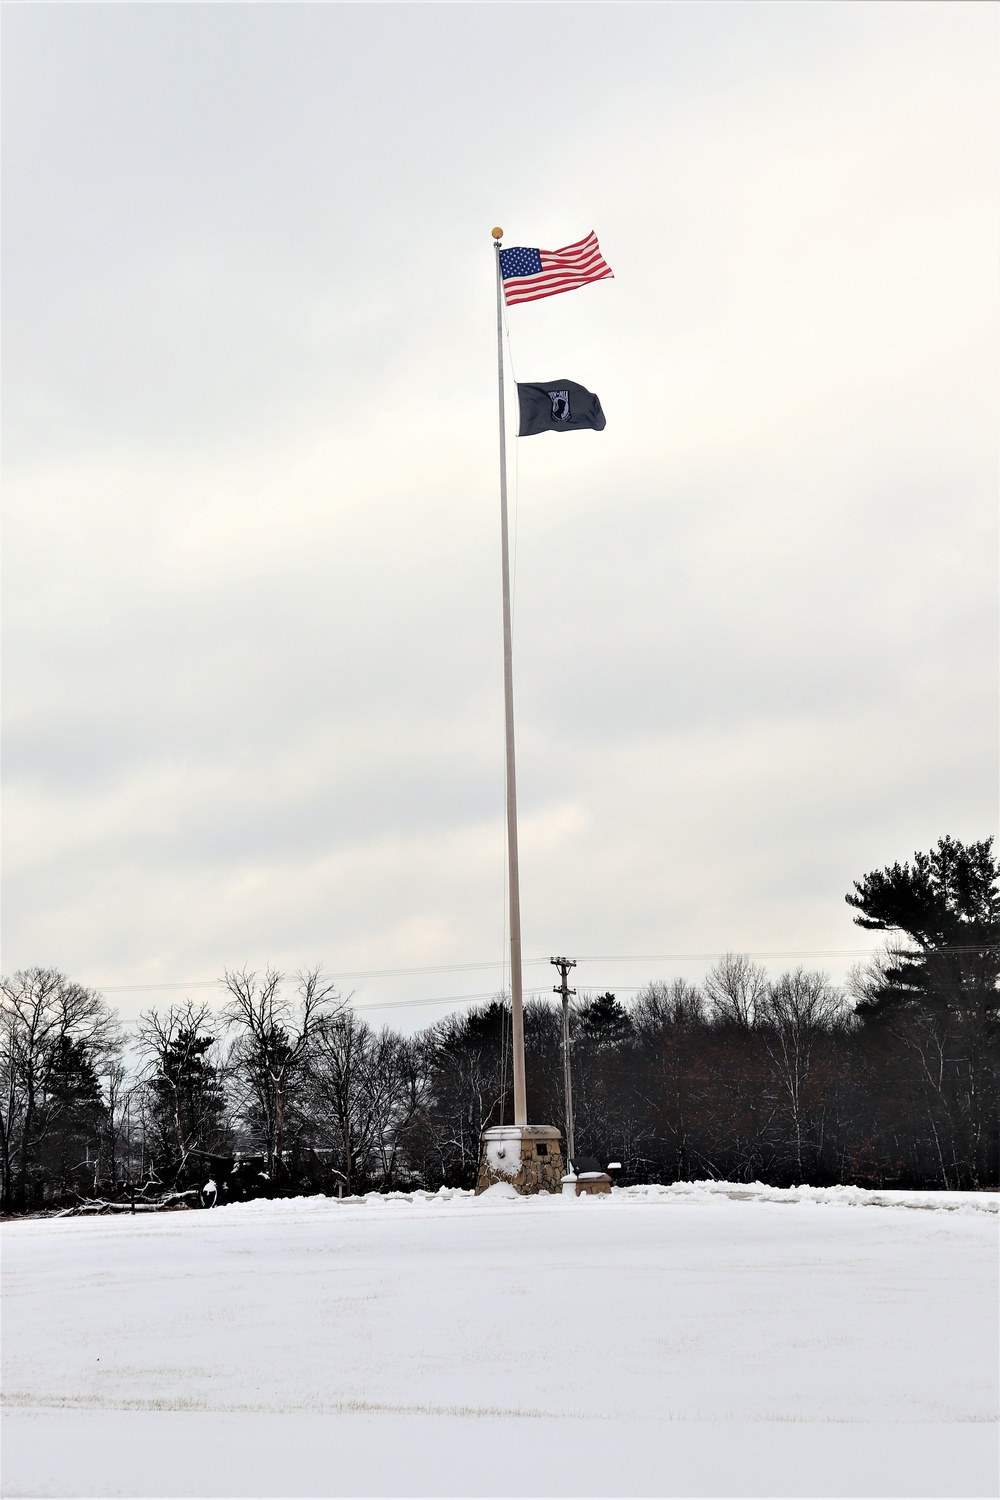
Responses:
[520,262]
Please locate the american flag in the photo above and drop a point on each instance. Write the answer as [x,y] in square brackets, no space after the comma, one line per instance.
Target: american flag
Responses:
[531,274]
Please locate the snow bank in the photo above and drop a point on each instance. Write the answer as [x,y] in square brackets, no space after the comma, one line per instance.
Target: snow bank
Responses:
[849,1197]
[501,1190]
[690,1194]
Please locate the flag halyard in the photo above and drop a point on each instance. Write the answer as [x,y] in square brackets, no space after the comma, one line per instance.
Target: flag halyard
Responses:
[529,274]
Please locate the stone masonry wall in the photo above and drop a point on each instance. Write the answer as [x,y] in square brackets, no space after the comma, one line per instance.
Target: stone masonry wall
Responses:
[538,1172]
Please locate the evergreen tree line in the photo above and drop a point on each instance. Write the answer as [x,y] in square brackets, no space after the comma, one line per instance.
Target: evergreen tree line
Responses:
[894,1081]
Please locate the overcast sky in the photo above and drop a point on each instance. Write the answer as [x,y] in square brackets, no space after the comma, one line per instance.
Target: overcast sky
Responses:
[253,693]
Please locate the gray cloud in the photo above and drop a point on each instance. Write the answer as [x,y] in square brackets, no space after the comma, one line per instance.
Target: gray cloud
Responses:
[252,636]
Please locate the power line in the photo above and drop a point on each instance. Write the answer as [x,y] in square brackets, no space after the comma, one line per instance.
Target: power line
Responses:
[211,984]
[591,958]
[657,958]
[432,1000]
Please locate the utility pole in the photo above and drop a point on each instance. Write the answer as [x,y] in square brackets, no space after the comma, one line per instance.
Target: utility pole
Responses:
[128,1147]
[564,965]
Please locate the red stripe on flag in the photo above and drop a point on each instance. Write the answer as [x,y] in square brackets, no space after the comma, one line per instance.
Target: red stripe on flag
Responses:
[562,271]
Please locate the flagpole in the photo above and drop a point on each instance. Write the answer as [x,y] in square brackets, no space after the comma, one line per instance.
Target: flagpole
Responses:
[517,1011]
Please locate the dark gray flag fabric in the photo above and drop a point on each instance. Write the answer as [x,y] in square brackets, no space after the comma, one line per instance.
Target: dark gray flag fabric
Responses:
[558,406]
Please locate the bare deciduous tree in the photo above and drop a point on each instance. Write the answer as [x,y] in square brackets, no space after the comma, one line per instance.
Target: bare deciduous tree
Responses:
[399,1089]
[274,1033]
[797,1013]
[342,1081]
[735,988]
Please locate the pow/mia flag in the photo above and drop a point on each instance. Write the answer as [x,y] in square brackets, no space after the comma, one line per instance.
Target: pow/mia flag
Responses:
[558,406]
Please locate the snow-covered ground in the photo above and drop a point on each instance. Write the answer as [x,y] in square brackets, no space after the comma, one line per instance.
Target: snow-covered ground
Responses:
[696,1340]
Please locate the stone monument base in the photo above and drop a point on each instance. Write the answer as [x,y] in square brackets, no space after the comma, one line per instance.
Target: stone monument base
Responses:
[528,1157]
[589,1183]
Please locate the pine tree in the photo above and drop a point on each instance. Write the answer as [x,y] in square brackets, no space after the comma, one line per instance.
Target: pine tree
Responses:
[71,1117]
[947,903]
[187,1102]
[932,1004]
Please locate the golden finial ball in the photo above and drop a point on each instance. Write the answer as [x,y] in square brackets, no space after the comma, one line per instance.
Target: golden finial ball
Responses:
[497,233]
